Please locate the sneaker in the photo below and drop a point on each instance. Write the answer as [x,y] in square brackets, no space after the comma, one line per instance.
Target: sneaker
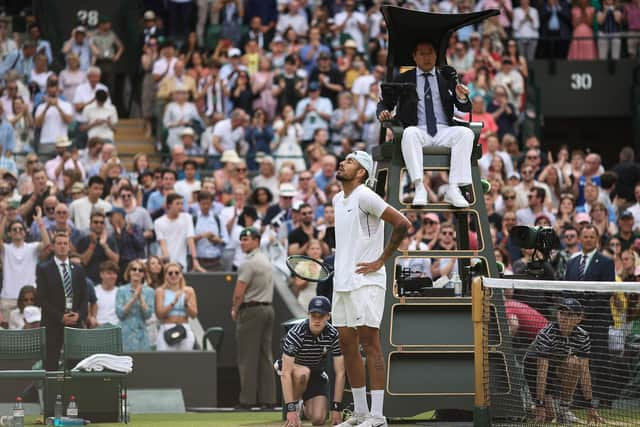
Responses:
[454,197]
[353,420]
[565,416]
[420,198]
[372,421]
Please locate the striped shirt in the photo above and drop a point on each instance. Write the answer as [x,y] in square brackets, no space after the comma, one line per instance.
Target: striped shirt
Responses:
[311,350]
[551,344]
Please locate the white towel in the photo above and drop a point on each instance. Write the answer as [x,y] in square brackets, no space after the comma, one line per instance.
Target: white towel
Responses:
[100,362]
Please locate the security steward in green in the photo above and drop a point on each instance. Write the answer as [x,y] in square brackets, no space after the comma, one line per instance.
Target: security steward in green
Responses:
[253,313]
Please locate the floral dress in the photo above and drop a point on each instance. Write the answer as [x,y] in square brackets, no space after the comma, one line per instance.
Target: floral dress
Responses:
[133,323]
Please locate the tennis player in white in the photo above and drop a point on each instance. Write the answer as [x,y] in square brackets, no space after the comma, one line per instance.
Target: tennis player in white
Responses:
[360,282]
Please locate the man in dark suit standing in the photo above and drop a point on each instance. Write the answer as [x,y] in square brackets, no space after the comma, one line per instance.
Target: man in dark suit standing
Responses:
[591,266]
[62,289]
[428,121]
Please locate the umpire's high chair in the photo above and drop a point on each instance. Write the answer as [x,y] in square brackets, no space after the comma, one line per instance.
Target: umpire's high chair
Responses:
[428,339]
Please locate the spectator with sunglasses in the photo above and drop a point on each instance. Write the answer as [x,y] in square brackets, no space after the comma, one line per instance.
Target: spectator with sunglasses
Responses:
[19,260]
[175,304]
[135,304]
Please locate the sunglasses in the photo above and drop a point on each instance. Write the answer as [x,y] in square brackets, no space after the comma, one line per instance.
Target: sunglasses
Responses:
[173,273]
[447,233]
[303,179]
[509,197]
[428,222]
[17,229]
[98,222]
[532,158]
[50,209]
[137,270]
[30,162]
[241,169]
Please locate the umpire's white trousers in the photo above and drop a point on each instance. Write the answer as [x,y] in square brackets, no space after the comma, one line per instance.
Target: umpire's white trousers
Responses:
[458,138]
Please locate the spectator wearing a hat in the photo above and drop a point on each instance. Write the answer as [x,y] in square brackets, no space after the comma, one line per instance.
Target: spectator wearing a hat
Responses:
[109,49]
[65,159]
[79,44]
[313,112]
[626,233]
[564,344]
[52,116]
[592,266]
[282,209]
[329,76]
[192,151]
[151,29]
[19,259]
[305,349]
[99,118]
[253,313]
[128,236]
[20,60]
[229,71]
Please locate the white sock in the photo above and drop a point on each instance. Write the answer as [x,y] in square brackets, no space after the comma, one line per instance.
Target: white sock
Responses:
[418,183]
[360,400]
[377,399]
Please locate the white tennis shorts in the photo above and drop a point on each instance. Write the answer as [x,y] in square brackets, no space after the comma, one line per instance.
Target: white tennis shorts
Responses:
[361,307]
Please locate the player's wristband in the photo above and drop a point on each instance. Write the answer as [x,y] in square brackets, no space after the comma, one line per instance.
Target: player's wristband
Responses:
[336,406]
[539,403]
[292,407]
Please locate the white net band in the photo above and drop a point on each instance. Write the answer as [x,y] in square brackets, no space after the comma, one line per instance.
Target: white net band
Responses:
[556,286]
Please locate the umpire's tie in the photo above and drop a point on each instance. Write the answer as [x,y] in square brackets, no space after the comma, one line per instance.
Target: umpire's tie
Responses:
[581,267]
[66,280]
[430,114]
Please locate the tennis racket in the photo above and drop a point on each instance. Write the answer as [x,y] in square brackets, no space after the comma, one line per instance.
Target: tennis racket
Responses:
[308,268]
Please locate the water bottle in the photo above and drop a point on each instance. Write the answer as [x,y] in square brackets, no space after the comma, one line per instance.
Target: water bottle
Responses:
[72,409]
[58,408]
[124,408]
[456,284]
[18,413]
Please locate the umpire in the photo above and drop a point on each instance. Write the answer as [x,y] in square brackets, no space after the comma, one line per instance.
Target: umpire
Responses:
[253,313]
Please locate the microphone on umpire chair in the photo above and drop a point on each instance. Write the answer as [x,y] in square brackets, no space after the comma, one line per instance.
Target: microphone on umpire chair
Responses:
[450,73]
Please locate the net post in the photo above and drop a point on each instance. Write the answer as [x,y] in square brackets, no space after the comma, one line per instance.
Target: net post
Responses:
[481,417]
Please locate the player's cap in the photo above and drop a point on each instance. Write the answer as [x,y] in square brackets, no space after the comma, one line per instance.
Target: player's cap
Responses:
[364,159]
[250,232]
[515,175]
[81,29]
[77,187]
[433,217]
[350,43]
[324,55]
[230,156]
[234,52]
[582,217]
[149,15]
[626,214]
[320,304]
[571,304]
[287,190]
[32,314]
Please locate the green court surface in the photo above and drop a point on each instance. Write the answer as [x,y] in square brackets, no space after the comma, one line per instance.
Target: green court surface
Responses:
[218,419]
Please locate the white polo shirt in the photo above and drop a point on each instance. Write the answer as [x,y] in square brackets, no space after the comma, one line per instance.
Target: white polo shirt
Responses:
[359,238]
[175,234]
[106,306]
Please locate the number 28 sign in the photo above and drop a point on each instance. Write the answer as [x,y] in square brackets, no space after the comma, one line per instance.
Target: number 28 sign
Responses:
[90,18]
